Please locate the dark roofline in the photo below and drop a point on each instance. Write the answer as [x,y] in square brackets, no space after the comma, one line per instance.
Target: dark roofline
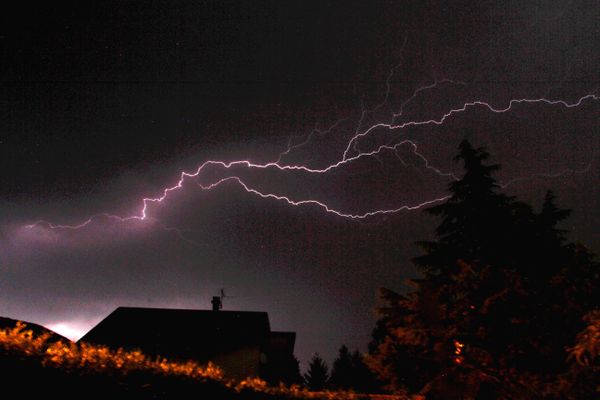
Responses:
[184,310]
[190,313]
[283,333]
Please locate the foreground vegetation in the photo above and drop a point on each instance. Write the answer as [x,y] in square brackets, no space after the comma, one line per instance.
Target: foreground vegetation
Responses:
[57,368]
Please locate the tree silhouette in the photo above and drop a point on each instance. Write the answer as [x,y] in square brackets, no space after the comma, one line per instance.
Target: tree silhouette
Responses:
[317,376]
[502,296]
[284,369]
[342,372]
[350,372]
[292,372]
[365,380]
[474,218]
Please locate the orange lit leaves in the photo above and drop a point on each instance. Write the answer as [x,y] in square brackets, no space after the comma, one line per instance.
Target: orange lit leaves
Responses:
[458,352]
[87,358]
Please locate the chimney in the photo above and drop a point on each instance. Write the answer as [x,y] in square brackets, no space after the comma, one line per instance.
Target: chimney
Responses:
[216,303]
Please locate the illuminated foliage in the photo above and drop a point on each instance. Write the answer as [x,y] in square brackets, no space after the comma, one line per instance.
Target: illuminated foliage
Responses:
[94,358]
[586,351]
[85,359]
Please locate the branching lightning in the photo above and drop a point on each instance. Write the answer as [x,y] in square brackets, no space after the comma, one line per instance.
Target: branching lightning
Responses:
[351,153]
[462,109]
[324,206]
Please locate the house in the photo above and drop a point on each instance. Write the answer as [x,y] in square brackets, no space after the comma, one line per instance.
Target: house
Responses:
[240,342]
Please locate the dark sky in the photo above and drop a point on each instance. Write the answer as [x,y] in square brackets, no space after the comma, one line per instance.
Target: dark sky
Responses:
[102,105]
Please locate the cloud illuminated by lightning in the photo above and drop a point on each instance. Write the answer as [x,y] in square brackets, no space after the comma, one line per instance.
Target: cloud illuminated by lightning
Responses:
[350,154]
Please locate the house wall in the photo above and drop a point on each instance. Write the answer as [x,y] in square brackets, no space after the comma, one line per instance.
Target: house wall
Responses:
[240,364]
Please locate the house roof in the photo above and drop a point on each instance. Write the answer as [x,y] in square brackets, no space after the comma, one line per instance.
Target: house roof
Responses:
[196,334]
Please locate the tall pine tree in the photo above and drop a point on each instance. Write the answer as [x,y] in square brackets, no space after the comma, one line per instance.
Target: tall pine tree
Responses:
[474,220]
[503,295]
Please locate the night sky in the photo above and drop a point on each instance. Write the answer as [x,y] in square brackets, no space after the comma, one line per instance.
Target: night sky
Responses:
[103,105]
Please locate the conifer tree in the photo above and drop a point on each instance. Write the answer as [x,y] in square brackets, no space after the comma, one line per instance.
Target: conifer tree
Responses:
[474,218]
[317,376]
[365,380]
[342,372]
[502,298]
[350,372]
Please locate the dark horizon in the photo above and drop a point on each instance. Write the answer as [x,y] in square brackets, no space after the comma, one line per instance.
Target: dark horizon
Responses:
[105,105]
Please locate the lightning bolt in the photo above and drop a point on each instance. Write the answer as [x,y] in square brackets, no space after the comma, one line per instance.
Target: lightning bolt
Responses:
[462,109]
[350,154]
[84,223]
[107,216]
[316,131]
[317,203]
[564,172]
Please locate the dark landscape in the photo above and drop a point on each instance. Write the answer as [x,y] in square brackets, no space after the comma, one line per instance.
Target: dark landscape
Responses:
[387,200]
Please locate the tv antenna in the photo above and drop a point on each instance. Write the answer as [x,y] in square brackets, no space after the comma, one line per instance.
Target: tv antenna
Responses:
[217,301]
